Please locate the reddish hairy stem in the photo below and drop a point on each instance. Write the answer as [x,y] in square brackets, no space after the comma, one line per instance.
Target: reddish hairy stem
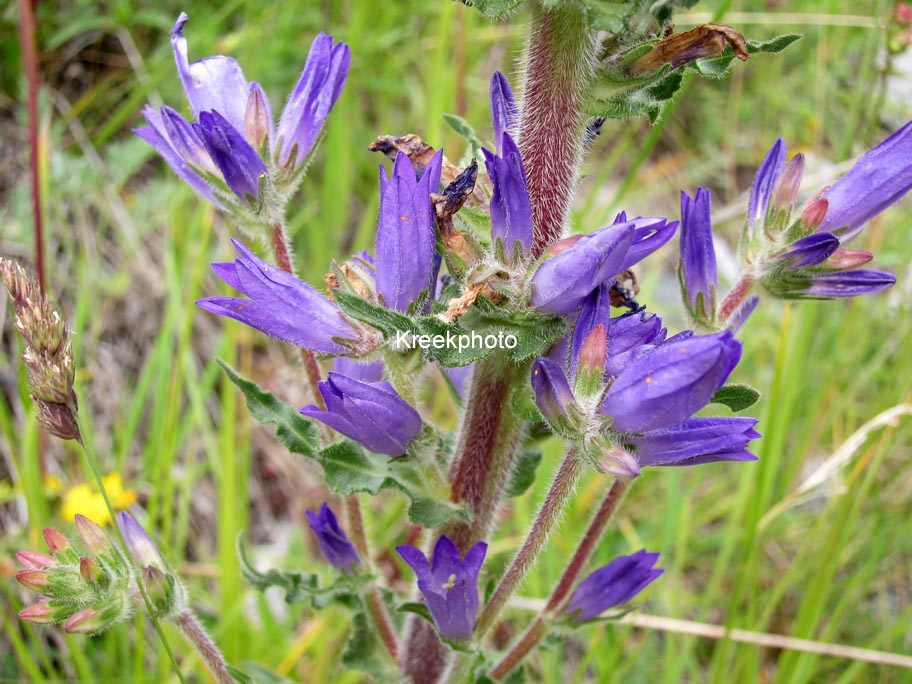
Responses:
[29,48]
[204,645]
[581,557]
[559,65]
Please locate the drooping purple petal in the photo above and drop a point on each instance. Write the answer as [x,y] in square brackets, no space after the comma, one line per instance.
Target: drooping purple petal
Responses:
[649,234]
[840,284]
[312,99]
[765,181]
[613,584]
[670,383]
[371,413]
[511,209]
[332,540]
[504,111]
[878,179]
[212,84]
[279,305]
[698,255]
[239,163]
[563,281]
[809,251]
[177,164]
[696,441]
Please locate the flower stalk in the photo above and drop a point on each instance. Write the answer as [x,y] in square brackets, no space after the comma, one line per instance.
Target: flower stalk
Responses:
[205,646]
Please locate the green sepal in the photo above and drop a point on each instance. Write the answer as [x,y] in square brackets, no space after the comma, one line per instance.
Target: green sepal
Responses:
[737,397]
[416,608]
[464,129]
[385,320]
[493,9]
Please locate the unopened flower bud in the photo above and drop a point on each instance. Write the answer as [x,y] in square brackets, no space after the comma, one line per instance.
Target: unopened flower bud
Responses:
[35,580]
[55,541]
[258,117]
[90,569]
[34,560]
[785,192]
[93,620]
[848,258]
[552,392]
[140,545]
[590,368]
[620,463]
[39,613]
[92,535]
[814,213]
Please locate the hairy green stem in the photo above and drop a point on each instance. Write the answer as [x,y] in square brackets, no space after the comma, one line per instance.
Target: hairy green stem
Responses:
[562,487]
[205,646]
[558,597]
[559,66]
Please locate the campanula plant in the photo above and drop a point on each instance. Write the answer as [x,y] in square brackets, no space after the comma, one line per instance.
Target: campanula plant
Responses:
[483,250]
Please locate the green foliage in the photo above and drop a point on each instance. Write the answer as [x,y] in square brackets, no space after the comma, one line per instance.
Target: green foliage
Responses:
[737,397]
[523,474]
[493,9]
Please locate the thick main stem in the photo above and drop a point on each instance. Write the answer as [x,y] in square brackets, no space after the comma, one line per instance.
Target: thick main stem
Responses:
[481,465]
[558,69]
[561,489]
[29,47]
[581,557]
[205,646]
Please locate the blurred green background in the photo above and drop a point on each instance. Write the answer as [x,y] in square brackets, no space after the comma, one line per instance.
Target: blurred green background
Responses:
[128,248]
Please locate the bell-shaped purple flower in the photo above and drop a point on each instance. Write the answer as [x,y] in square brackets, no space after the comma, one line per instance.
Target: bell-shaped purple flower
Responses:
[613,585]
[763,186]
[809,251]
[332,540]
[697,267]
[878,179]
[511,209]
[696,441]
[670,383]
[504,111]
[312,99]
[449,584]
[363,371]
[371,413]
[279,305]
[577,265]
[552,391]
[839,284]
[407,259]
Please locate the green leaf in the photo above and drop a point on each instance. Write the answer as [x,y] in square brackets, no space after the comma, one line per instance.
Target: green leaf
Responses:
[773,45]
[736,397]
[493,9]
[385,320]
[465,130]
[523,474]
[416,608]
[254,673]
[534,330]
[362,650]
[293,430]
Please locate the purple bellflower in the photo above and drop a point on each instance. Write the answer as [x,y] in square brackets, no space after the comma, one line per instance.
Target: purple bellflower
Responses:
[671,383]
[504,111]
[511,208]
[407,261]
[234,142]
[696,441]
[279,305]
[697,267]
[878,179]
[449,584]
[332,540]
[140,545]
[371,413]
[613,585]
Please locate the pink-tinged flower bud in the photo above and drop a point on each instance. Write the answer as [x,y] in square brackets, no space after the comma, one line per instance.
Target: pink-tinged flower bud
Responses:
[34,560]
[814,213]
[39,613]
[620,463]
[92,535]
[141,546]
[590,368]
[35,580]
[88,621]
[55,541]
[848,258]
[90,569]
[785,192]
[156,583]
[258,117]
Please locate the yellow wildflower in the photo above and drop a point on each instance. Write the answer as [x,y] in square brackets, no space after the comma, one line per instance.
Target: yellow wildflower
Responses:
[86,501]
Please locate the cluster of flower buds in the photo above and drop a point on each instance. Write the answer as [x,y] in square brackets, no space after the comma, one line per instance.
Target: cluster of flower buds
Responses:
[92,591]
[792,254]
[234,155]
[48,354]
